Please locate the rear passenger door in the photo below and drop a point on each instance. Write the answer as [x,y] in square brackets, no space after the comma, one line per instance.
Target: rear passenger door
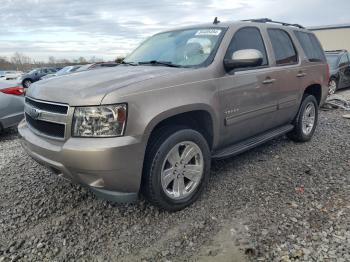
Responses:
[287,72]
[247,96]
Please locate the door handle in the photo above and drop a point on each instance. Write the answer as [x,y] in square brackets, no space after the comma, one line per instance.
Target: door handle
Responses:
[301,74]
[268,81]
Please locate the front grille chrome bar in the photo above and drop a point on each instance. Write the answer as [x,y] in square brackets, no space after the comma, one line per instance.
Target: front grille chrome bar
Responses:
[46,119]
[43,115]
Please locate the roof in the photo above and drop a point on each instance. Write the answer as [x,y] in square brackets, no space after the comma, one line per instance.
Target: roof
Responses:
[252,22]
[327,27]
[336,52]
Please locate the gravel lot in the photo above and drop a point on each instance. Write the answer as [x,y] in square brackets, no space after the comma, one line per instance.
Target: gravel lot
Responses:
[280,202]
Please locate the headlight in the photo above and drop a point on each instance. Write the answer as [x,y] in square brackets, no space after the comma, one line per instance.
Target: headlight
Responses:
[99,121]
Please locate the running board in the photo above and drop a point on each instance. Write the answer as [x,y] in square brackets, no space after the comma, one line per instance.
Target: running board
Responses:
[251,142]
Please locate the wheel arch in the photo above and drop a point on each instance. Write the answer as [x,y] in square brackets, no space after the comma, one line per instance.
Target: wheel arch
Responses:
[315,90]
[27,78]
[198,116]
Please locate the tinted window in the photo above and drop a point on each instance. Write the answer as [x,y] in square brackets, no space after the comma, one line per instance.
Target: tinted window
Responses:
[311,46]
[283,47]
[247,38]
[332,60]
[344,60]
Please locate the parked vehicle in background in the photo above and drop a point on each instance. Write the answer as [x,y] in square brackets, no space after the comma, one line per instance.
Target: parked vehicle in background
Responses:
[11,104]
[35,75]
[152,124]
[96,66]
[339,64]
[10,75]
[64,71]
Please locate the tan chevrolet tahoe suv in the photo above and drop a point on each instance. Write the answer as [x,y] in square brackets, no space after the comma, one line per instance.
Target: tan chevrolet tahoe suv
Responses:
[152,124]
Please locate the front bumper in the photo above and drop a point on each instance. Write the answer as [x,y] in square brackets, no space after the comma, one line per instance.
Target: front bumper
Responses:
[111,167]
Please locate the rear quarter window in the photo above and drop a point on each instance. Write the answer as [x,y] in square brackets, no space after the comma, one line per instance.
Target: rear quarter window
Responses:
[311,46]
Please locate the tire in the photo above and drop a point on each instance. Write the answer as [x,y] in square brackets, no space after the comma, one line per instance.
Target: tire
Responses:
[304,125]
[333,86]
[26,83]
[165,143]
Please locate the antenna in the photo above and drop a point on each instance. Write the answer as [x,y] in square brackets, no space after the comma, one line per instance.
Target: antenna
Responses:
[216,21]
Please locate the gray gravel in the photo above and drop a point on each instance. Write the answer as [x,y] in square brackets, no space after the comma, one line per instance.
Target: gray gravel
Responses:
[280,202]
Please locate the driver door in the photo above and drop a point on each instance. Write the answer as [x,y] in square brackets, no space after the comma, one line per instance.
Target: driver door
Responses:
[248,98]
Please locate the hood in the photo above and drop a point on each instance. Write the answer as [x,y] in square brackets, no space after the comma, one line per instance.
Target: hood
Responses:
[89,87]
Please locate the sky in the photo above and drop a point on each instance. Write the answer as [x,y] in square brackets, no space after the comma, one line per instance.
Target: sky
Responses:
[107,29]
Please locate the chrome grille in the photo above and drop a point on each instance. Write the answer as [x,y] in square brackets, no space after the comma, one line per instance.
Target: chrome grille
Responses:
[46,118]
[47,106]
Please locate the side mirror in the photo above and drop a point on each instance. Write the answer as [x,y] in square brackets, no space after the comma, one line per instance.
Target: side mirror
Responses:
[244,58]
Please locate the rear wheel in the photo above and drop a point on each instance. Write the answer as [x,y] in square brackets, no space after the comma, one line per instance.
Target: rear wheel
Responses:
[177,167]
[306,120]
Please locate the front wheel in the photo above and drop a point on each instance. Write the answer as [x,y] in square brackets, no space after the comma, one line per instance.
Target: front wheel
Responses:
[306,120]
[177,167]
[26,83]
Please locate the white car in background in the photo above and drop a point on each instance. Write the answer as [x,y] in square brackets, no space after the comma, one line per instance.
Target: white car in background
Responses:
[10,75]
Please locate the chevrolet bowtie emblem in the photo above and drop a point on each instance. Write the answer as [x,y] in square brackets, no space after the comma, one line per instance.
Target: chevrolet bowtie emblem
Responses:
[34,113]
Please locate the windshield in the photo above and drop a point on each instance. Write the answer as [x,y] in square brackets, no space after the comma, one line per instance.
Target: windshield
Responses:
[332,60]
[33,71]
[84,67]
[191,47]
[64,70]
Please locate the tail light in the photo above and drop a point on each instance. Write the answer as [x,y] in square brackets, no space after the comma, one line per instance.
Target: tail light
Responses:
[16,90]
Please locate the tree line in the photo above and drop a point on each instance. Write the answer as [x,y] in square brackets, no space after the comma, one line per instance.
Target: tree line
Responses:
[21,62]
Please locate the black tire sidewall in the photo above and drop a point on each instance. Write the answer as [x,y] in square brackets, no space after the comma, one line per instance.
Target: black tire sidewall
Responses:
[157,164]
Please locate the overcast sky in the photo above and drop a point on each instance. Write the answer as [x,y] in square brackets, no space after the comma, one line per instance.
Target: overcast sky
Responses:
[106,29]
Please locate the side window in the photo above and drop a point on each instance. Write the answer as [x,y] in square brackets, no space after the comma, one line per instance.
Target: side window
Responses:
[311,46]
[247,38]
[344,60]
[283,47]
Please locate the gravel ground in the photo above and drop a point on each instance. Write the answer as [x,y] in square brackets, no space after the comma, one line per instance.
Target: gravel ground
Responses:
[282,201]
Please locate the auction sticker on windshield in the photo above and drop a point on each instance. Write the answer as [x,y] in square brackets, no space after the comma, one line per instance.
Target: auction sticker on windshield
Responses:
[209,32]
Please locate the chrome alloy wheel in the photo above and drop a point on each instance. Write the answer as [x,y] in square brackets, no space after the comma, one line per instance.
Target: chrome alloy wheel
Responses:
[332,87]
[182,170]
[309,117]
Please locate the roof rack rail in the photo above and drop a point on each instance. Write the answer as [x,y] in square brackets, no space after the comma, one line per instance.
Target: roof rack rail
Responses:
[267,20]
[339,50]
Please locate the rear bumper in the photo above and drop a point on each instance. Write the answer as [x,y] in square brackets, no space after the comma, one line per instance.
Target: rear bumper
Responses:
[110,167]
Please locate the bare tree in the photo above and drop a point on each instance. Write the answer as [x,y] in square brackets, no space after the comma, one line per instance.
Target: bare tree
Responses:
[119,59]
[82,60]
[52,60]
[20,61]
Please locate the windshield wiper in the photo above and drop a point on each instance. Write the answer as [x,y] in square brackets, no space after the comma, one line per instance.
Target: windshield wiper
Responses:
[129,63]
[155,62]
